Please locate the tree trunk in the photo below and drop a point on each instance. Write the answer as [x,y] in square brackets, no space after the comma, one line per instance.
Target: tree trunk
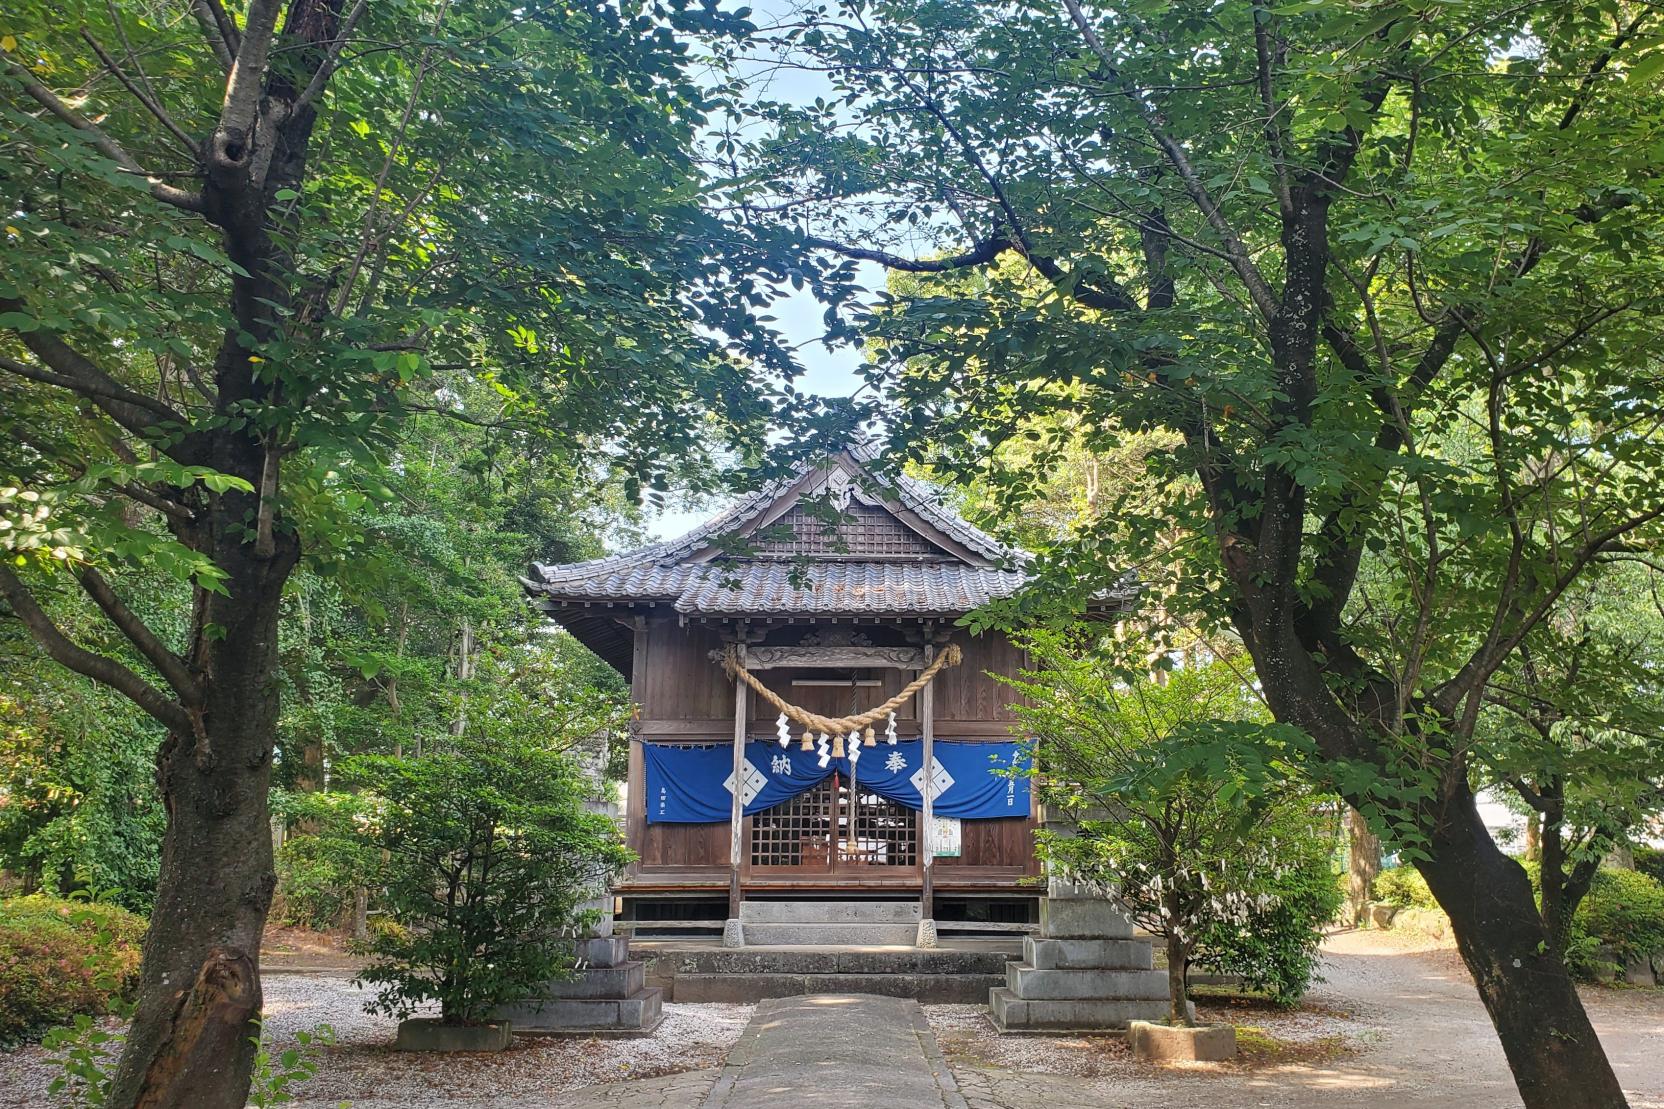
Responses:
[1557,1060]
[1552,1049]
[199,989]
[1178,956]
[1178,995]
[1362,865]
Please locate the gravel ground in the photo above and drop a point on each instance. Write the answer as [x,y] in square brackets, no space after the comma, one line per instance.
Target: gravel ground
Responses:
[364,1069]
[1396,1023]
[1266,1037]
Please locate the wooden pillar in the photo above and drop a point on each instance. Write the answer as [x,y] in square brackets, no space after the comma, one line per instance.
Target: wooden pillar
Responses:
[737,811]
[927,839]
[635,811]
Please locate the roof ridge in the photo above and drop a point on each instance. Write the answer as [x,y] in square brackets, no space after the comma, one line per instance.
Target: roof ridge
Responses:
[926,499]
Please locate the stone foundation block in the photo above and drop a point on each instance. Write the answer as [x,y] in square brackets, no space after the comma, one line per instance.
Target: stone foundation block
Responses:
[1056,954]
[927,989]
[1080,919]
[832,932]
[831,912]
[634,1015]
[1015,1014]
[1034,984]
[617,981]
[603,951]
[1164,1043]
[432,1034]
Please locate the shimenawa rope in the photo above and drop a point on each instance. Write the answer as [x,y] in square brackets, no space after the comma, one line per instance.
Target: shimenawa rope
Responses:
[838,727]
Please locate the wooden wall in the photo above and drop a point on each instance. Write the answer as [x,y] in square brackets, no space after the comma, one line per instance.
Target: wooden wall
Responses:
[684,696]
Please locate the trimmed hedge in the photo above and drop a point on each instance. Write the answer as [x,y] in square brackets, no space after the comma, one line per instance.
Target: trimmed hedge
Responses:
[61,958]
[1405,887]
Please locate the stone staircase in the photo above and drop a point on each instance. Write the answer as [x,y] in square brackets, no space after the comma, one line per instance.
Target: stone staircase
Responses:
[773,923]
[608,996]
[1085,971]
[740,975]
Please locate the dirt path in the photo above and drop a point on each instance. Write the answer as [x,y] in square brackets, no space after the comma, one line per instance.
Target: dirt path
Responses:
[1396,1024]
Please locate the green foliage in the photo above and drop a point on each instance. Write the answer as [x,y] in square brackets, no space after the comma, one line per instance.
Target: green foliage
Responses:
[85,1054]
[1623,911]
[1275,949]
[491,853]
[312,890]
[1189,803]
[323,860]
[276,1077]
[1650,861]
[60,958]
[1404,886]
[77,769]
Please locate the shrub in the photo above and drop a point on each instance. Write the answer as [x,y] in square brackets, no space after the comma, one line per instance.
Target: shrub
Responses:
[324,861]
[1189,811]
[310,890]
[1623,911]
[1650,861]
[62,958]
[491,854]
[1275,950]
[1404,886]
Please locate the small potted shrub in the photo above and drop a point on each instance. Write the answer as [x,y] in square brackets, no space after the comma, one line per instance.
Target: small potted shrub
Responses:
[489,854]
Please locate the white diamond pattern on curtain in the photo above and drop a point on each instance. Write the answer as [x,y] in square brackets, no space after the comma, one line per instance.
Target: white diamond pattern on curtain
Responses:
[940,779]
[750,784]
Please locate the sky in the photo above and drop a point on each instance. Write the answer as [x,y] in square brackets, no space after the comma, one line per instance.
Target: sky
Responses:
[798,315]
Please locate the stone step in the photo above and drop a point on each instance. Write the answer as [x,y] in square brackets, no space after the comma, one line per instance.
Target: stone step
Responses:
[624,980]
[824,960]
[771,934]
[1055,954]
[605,951]
[1014,1014]
[1034,984]
[929,989]
[1068,919]
[640,1013]
[829,912]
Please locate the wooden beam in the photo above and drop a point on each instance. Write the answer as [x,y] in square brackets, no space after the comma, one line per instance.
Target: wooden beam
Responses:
[635,806]
[899,658]
[737,810]
[927,729]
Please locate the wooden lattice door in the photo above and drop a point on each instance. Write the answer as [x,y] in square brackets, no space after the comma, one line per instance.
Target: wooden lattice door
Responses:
[830,827]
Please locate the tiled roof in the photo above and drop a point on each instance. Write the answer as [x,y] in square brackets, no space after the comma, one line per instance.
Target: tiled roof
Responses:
[681,573]
[846,588]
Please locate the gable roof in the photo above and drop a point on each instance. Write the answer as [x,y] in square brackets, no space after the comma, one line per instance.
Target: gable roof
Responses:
[928,561]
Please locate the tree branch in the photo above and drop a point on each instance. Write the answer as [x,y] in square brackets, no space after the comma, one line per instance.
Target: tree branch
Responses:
[1259,290]
[103,143]
[142,95]
[979,254]
[232,145]
[218,29]
[315,87]
[100,668]
[169,665]
[134,411]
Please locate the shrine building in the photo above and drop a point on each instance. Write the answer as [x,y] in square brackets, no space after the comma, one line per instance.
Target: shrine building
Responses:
[818,741]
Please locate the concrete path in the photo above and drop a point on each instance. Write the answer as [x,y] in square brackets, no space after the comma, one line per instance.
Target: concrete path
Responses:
[836,1051]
